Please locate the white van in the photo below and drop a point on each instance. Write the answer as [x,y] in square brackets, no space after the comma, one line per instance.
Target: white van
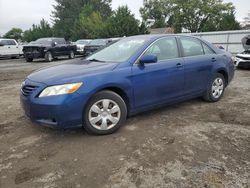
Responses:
[10,48]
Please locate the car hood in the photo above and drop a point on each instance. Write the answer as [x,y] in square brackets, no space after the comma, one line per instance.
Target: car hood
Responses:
[246,42]
[70,72]
[93,46]
[244,55]
[81,45]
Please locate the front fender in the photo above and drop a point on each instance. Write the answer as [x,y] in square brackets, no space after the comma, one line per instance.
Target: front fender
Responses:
[119,79]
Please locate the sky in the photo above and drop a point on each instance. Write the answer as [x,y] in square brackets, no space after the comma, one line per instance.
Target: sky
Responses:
[24,13]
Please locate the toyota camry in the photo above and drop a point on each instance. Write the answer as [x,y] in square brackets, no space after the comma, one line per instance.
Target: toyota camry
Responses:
[135,74]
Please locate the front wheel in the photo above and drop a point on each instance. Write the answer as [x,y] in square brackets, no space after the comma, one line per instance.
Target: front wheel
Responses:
[215,89]
[105,113]
[28,59]
[48,56]
[71,55]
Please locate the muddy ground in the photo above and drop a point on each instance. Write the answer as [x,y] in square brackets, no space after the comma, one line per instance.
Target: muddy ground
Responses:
[191,144]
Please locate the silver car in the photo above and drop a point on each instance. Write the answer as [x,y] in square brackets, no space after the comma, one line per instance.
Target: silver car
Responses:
[80,44]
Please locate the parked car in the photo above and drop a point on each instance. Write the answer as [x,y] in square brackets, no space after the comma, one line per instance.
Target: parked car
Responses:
[242,60]
[10,48]
[95,45]
[48,48]
[133,75]
[80,44]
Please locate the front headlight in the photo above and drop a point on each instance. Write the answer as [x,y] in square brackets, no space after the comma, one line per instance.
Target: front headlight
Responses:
[60,89]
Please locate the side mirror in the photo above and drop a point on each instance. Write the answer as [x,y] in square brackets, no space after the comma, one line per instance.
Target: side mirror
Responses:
[148,59]
[54,43]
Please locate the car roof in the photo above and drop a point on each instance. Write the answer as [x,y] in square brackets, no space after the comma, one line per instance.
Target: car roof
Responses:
[6,39]
[153,37]
[156,36]
[84,39]
[52,38]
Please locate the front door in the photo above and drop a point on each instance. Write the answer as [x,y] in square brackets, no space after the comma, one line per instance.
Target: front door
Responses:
[156,83]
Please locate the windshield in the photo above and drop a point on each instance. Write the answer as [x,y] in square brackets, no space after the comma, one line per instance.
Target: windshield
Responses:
[46,41]
[98,42]
[82,42]
[120,51]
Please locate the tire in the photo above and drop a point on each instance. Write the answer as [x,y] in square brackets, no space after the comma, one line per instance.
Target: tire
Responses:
[48,56]
[28,59]
[71,55]
[215,89]
[104,121]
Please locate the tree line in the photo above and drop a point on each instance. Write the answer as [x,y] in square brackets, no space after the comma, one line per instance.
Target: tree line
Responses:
[79,19]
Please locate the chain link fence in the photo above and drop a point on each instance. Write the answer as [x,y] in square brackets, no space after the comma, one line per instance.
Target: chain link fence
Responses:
[229,40]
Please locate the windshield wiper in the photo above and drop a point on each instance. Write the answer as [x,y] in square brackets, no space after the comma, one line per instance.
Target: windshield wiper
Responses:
[97,60]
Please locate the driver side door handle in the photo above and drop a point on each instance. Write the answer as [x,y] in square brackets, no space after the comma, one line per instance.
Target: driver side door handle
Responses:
[179,65]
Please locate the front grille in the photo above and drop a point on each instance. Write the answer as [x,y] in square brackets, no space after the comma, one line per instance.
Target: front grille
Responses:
[31,50]
[28,89]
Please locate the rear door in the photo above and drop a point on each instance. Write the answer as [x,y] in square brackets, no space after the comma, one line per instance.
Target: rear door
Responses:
[4,48]
[162,81]
[199,59]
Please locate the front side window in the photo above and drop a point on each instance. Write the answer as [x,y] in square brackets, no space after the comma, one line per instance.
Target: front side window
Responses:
[11,42]
[43,41]
[207,50]
[164,49]
[191,47]
[98,42]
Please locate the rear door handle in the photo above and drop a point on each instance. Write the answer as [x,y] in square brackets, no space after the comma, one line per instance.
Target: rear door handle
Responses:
[178,65]
[213,59]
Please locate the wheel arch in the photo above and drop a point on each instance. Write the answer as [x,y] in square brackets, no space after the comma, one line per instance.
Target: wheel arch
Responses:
[116,89]
[225,74]
[120,92]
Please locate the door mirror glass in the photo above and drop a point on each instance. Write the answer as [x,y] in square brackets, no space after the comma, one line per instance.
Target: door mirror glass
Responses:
[148,59]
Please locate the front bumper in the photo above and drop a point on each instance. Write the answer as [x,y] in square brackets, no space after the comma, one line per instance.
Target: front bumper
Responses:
[61,111]
[33,55]
[80,51]
[238,62]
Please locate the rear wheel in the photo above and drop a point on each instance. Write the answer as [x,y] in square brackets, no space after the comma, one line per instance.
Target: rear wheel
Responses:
[71,55]
[215,89]
[105,113]
[48,56]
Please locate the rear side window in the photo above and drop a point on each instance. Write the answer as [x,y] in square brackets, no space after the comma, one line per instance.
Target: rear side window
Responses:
[11,42]
[164,49]
[207,50]
[191,47]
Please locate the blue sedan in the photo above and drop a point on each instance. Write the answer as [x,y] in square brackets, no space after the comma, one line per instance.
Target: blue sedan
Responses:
[135,74]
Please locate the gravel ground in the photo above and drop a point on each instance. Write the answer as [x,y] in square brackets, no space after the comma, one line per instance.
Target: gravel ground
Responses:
[191,144]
